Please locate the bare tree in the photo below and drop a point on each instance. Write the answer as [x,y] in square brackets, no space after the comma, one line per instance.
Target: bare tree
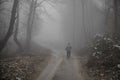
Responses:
[116,15]
[11,26]
[30,22]
[17,29]
[83,20]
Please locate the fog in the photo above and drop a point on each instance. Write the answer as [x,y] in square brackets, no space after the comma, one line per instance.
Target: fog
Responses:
[53,24]
[51,32]
[59,40]
[63,22]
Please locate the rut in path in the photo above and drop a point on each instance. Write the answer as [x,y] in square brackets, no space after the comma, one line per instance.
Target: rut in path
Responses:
[49,72]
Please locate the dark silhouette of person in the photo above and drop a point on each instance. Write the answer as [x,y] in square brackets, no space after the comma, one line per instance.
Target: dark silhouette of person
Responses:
[68,50]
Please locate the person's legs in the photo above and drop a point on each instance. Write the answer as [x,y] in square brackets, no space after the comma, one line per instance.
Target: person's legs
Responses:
[68,54]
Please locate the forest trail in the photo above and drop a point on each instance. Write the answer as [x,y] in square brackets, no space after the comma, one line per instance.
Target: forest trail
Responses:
[61,68]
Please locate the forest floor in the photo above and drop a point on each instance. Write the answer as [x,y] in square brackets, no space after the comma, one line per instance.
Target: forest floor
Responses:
[56,66]
[25,67]
[105,67]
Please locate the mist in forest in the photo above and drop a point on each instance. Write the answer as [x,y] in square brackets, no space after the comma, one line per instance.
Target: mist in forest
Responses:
[54,23]
[59,40]
[63,23]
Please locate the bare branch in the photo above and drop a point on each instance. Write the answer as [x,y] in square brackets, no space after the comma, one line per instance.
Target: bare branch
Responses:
[38,4]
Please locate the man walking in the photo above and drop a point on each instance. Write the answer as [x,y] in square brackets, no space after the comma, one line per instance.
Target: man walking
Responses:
[68,50]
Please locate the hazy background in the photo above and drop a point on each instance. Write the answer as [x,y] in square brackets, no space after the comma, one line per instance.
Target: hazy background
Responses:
[57,22]
[64,23]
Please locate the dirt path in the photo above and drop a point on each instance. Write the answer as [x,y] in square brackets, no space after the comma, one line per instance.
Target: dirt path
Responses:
[68,70]
[61,68]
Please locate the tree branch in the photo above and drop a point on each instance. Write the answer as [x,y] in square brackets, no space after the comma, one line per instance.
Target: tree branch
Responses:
[38,4]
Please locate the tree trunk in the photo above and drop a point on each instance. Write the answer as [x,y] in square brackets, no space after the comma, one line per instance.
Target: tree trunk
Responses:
[30,24]
[16,31]
[11,26]
[115,16]
[83,21]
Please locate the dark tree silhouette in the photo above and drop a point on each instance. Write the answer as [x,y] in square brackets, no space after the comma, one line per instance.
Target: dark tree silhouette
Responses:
[30,23]
[16,31]
[115,14]
[11,26]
